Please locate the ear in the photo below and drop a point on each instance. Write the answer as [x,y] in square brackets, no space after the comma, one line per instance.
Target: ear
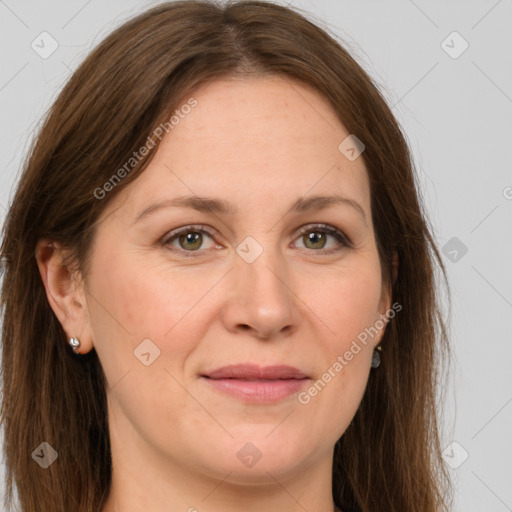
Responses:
[65,292]
[386,298]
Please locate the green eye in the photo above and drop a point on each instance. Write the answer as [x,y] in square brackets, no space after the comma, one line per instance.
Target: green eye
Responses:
[315,237]
[189,238]
[194,238]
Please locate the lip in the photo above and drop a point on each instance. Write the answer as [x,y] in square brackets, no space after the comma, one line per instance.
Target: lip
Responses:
[259,384]
[251,371]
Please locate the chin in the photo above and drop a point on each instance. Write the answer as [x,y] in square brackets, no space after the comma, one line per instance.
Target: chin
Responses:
[251,457]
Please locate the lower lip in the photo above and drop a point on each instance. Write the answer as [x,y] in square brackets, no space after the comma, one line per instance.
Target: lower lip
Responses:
[261,391]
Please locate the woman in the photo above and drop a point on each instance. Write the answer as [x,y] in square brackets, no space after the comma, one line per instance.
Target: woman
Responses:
[219,289]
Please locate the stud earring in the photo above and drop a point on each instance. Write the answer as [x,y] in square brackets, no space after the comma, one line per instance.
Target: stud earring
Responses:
[75,344]
[376,357]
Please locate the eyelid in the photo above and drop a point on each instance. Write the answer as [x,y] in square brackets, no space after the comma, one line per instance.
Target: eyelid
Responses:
[337,233]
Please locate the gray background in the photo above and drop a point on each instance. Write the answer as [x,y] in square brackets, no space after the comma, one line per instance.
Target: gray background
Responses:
[457,114]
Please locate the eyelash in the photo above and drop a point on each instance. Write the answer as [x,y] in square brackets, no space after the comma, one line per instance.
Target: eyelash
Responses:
[322,228]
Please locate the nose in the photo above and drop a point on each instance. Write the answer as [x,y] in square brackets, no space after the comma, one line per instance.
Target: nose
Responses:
[261,300]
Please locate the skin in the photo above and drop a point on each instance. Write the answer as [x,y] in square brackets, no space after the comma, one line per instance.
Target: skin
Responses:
[259,143]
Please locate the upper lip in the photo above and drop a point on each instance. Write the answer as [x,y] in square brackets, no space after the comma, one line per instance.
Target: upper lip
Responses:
[255,372]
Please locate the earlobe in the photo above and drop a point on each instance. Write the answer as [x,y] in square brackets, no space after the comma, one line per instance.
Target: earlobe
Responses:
[64,293]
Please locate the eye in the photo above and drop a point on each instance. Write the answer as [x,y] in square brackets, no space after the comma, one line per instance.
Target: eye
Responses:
[315,238]
[189,238]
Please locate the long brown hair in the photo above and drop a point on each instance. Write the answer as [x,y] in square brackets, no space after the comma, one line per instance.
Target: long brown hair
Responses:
[389,458]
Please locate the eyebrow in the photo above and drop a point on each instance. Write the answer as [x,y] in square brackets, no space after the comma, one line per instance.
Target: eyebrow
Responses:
[218,206]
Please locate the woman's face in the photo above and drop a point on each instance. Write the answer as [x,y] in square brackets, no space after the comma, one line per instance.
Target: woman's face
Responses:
[245,287]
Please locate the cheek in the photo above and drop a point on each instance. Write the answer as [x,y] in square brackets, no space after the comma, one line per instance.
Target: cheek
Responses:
[144,303]
[350,306]
[134,299]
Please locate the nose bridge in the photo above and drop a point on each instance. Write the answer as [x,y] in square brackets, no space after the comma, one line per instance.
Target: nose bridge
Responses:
[260,276]
[261,265]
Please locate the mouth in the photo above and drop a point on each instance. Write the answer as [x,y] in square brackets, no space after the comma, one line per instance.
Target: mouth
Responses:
[259,384]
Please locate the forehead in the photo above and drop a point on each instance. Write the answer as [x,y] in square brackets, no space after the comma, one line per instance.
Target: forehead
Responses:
[252,141]
[267,115]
